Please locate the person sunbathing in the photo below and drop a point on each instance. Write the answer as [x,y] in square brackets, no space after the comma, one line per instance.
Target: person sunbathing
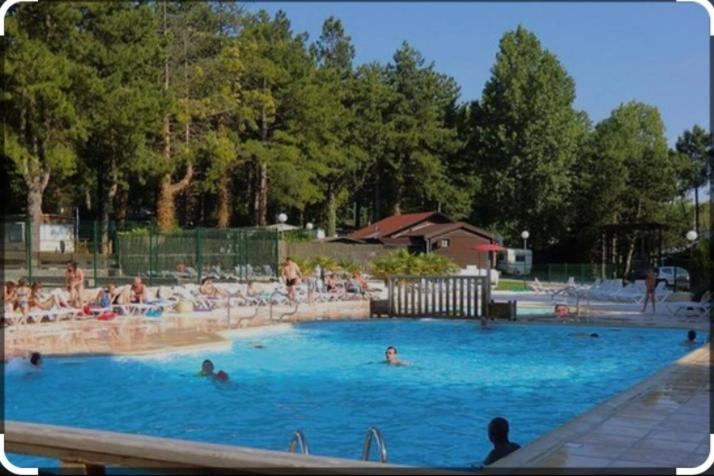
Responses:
[22,297]
[39,300]
[138,292]
[209,289]
[107,296]
[9,296]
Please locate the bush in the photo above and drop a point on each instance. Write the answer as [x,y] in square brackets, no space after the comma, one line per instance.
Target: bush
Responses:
[401,262]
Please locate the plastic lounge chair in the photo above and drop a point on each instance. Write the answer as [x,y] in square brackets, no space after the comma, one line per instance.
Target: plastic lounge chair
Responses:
[702,307]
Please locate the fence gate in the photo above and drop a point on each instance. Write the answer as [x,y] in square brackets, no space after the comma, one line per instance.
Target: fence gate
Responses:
[439,296]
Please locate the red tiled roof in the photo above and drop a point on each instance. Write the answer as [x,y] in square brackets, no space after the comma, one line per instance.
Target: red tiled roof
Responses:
[389,225]
[439,229]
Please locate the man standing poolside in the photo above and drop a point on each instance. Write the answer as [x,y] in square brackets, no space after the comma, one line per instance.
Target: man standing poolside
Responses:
[291,272]
[650,284]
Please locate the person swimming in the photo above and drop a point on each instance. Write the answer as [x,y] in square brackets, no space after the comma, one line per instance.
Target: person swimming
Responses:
[691,337]
[207,370]
[391,356]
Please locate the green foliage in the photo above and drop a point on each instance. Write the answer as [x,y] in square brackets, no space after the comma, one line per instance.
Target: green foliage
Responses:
[400,262]
[702,266]
[526,140]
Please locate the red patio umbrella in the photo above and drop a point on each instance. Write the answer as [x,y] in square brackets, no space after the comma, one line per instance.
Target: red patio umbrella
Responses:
[484,247]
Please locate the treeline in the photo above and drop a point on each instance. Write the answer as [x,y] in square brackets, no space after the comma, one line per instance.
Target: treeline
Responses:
[207,114]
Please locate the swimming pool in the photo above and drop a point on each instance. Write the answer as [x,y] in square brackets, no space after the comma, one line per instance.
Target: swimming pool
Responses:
[328,379]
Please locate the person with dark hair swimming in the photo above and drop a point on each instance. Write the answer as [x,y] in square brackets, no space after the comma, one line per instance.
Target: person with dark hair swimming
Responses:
[391,356]
[498,434]
[207,370]
[691,337]
[35,359]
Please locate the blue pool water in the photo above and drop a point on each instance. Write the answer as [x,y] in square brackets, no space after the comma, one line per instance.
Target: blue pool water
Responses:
[329,380]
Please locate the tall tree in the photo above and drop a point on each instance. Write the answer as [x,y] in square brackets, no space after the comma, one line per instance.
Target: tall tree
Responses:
[419,139]
[527,140]
[125,104]
[696,145]
[334,119]
[42,83]
[627,176]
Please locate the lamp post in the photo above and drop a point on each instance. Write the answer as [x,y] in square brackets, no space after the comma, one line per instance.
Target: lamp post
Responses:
[525,235]
[309,226]
[282,218]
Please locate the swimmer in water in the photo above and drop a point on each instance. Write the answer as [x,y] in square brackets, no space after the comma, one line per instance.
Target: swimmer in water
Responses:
[691,337]
[35,360]
[207,370]
[391,355]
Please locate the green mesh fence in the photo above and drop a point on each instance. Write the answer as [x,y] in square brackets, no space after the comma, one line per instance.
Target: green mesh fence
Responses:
[240,253]
[562,272]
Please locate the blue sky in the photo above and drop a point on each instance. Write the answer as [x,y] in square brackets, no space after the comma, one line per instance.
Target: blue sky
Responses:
[651,52]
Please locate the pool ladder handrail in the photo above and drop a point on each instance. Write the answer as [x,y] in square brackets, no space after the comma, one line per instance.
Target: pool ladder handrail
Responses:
[374,434]
[299,439]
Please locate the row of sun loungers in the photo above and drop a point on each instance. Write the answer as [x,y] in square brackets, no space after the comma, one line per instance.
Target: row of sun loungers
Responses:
[165,298]
[613,290]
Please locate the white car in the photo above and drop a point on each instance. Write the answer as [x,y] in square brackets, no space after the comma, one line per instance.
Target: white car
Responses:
[666,274]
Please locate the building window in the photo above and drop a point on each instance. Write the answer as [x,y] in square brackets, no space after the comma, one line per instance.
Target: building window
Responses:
[444,243]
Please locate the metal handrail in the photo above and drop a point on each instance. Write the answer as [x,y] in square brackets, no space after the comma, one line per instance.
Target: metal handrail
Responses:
[299,439]
[373,433]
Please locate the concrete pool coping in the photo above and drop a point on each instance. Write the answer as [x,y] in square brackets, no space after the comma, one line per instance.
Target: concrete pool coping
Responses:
[659,423]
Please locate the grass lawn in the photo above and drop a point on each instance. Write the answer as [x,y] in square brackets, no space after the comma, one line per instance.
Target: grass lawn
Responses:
[512,285]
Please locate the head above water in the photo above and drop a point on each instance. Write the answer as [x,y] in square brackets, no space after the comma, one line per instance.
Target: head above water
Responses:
[498,430]
[36,359]
[692,335]
[391,353]
[207,367]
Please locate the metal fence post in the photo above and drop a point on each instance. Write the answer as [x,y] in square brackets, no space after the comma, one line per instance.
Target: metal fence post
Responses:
[28,246]
[94,250]
[152,233]
[199,254]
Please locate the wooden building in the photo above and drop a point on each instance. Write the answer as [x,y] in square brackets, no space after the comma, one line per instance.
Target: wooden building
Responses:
[430,232]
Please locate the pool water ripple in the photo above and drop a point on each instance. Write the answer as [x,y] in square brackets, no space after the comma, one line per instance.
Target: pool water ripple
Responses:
[328,379]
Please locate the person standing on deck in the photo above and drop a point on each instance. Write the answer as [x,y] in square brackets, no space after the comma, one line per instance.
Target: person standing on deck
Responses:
[292,274]
[650,284]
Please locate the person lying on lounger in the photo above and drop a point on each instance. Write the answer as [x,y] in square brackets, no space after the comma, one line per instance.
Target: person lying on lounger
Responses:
[138,291]
[209,289]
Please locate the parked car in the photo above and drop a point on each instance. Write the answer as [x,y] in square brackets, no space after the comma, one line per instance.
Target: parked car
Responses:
[666,274]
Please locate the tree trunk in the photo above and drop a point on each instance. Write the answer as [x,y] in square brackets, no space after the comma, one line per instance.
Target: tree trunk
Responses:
[331,212]
[165,210]
[224,202]
[261,191]
[122,205]
[358,215]
[696,209]
[263,194]
[630,251]
[35,189]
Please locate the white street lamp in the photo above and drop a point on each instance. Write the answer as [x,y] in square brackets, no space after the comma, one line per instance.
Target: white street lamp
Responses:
[525,235]
[309,226]
[692,235]
[282,218]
